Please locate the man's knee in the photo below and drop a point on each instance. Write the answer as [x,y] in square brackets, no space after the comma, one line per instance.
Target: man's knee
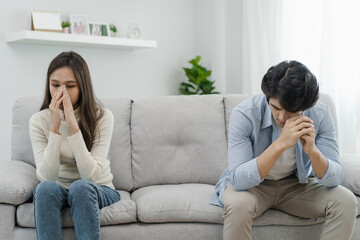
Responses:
[349,202]
[241,204]
[345,202]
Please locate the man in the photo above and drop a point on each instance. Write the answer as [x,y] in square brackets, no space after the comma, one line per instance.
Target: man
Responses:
[282,154]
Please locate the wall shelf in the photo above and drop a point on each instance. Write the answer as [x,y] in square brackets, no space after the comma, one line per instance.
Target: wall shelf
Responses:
[62,39]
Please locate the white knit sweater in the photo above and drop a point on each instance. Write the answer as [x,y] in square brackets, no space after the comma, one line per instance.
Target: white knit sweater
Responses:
[64,158]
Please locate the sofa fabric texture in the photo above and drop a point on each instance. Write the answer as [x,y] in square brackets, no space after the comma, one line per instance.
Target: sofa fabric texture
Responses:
[176,203]
[120,147]
[123,211]
[171,139]
[17,182]
[7,215]
[166,155]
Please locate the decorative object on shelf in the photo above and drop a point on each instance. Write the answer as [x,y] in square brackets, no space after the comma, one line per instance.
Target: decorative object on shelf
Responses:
[99,29]
[65,26]
[134,31]
[47,21]
[198,82]
[79,24]
[113,30]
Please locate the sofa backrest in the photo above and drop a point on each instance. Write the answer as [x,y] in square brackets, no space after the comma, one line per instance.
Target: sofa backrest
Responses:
[120,149]
[156,140]
[178,139]
[23,109]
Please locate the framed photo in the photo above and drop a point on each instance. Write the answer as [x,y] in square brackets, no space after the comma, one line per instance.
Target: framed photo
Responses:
[48,21]
[79,24]
[99,29]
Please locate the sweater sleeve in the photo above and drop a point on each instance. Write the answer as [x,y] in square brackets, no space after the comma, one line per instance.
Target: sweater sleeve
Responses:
[90,164]
[46,150]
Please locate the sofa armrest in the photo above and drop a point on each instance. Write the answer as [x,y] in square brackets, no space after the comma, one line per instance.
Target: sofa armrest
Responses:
[7,221]
[351,172]
[17,182]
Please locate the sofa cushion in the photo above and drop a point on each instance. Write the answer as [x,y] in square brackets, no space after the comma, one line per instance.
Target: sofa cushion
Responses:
[123,211]
[17,182]
[120,147]
[178,139]
[351,169]
[23,109]
[190,203]
[176,203]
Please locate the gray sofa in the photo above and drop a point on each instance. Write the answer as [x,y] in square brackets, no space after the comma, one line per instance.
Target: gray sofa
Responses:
[167,153]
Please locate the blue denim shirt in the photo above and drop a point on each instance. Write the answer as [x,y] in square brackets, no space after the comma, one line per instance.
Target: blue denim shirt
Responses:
[252,130]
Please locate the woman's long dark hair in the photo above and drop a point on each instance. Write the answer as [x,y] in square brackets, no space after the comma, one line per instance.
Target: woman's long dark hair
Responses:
[89,109]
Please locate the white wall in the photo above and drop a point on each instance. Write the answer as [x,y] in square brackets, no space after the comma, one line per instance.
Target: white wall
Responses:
[183,29]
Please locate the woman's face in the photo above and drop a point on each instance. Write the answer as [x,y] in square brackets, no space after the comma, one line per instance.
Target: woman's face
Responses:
[65,77]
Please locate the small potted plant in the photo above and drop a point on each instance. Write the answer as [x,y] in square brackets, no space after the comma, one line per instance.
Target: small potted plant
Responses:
[198,80]
[65,26]
[113,30]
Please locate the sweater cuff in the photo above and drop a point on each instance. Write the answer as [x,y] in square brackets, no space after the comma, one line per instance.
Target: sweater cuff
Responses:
[77,141]
[55,139]
[78,146]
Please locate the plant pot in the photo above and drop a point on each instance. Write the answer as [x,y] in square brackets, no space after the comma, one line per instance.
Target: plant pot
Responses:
[113,34]
[66,30]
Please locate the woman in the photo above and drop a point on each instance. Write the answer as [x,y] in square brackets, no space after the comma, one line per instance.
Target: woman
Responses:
[70,137]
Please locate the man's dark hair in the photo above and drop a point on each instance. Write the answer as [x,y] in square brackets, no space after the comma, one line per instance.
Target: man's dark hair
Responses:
[293,84]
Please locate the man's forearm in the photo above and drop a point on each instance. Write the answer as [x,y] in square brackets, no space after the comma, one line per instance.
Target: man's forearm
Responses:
[319,163]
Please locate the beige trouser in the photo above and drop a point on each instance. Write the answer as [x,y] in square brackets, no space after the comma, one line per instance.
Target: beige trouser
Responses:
[312,200]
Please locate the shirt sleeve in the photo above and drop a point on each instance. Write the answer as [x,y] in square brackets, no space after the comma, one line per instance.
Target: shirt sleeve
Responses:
[242,165]
[326,143]
[90,164]
[46,150]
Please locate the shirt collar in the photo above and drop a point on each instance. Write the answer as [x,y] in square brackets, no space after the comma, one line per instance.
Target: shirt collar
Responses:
[267,120]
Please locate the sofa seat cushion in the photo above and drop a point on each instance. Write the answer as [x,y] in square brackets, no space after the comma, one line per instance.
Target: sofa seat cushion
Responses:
[123,211]
[176,203]
[190,203]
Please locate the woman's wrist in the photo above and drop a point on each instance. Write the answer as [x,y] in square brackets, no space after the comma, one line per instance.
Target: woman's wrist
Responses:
[74,130]
[55,130]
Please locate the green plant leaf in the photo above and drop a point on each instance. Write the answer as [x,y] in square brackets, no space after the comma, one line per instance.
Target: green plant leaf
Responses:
[195,62]
[197,76]
[194,71]
[206,87]
[187,85]
[203,69]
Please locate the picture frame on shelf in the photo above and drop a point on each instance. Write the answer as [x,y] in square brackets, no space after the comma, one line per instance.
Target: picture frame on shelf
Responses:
[79,24]
[99,29]
[47,21]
